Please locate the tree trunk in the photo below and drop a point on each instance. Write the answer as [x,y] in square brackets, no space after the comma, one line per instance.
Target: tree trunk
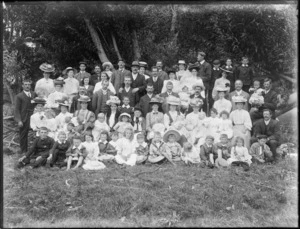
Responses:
[173,31]
[136,48]
[97,42]
[116,46]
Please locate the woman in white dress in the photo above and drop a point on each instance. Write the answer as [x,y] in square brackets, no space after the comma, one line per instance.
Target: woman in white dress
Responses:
[223,82]
[182,72]
[98,86]
[213,125]
[172,78]
[71,86]
[107,68]
[222,104]
[125,149]
[241,121]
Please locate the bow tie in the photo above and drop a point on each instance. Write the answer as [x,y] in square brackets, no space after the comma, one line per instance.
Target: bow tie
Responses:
[155,112]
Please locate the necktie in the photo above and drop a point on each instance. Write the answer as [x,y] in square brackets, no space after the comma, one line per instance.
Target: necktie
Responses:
[29,95]
[137,123]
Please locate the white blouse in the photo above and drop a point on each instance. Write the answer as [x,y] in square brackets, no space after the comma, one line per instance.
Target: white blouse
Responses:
[222,104]
[98,86]
[176,85]
[60,119]
[125,147]
[92,150]
[241,117]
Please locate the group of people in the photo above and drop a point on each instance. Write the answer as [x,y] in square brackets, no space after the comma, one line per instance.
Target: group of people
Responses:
[199,114]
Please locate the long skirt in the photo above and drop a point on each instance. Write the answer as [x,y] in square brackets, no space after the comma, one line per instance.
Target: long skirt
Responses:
[241,131]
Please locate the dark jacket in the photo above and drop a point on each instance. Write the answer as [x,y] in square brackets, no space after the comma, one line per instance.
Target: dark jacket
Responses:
[116,116]
[272,130]
[215,74]
[270,100]
[139,82]
[165,106]
[245,74]
[128,94]
[144,104]
[117,79]
[204,106]
[23,106]
[97,101]
[76,105]
[205,74]
[163,75]
[95,79]
[40,146]
[158,85]
[205,151]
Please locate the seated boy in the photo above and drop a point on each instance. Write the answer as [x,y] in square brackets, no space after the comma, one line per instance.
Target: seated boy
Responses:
[189,154]
[208,152]
[39,152]
[172,147]
[107,151]
[223,149]
[260,151]
[141,149]
[58,152]
[76,153]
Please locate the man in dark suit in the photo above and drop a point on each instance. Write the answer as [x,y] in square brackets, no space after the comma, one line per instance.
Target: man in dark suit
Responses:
[138,81]
[144,101]
[216,73]
[96,77]
[117,78]
[270,101]
[82,73]
[270,128]
[166,94]
[23,110]
[156,81]
[238,85]
[161,73]
[204,70]
[245,73]
[128,91]
[198,88]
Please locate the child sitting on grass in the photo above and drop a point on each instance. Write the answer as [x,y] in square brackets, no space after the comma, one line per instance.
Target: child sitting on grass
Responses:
[75,153]
[208,153]
[260,151]
[39,152]
[172,147]
[71,133]
[240,155]
[99,126]
[224,150]
[201,131]
[157,150]
[107,150]
[58,152]
[91,160]
[141,149]
[189,154]
[124,123]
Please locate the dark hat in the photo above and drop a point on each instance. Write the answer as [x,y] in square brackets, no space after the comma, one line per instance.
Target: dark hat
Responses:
[225,70]
[82,62]
[38,101]
[202,53]
[170,70]
[193,66]
[137,108]
[210,137]
[135,63]
[216,62]
[224,136]
[59,81]
[260,136]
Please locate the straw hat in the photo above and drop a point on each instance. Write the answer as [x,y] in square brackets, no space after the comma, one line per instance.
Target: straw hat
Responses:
[113,100]
[181,62]
[196,102]
[64,102]
[193,66]
[169,132]
[107,64]
[155,100]
[59,81]
[198,85]
[172,100]
[124,114]
[47,67]
[143,64]
[239,99]
[38,101]
[84,98]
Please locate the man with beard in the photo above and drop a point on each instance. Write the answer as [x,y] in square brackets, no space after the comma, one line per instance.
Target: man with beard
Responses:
[96,77]
[238,85]
[117,78]
[144,101]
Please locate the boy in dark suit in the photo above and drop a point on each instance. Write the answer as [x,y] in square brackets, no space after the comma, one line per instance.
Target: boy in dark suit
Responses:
[23,110]
[128,91]
[125,107]
[156,81]
[245,73]
[208,152]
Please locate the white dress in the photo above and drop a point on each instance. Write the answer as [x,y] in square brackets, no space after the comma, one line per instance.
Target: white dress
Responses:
[239,154]
[181,74]
[44,86]
[54,96]
[52,127]
[125,152]
[184,98]
[192,156]
[174,115]
[91,162]
[222,104]
[98,86]
[37,120]
[60,120]
[201,132]
[98,128]
[191,125]
[225,127]
[241,125]
[213,128]
[176,85]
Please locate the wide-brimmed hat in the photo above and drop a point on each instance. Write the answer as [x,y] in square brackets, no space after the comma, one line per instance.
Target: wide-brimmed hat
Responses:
[82,62]
[196,102]
[69,69]
[135,63]
[59,81]
[169,132]
[107,64]
[47,67]
[38,101]
[216,62]
[198,85]
[172,100]
[193,66]
[221,89]
[113,100]
[143,64]
[63,102]
[84,98]
[239,99]
[225,70]
[169,70]
[155,100]
[181,62]
[224,136]
[124,114]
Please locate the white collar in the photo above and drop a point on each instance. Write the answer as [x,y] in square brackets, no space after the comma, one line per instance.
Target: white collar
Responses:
[239,92]
[103,142]
[208,145]
[155,112]
[228,66]
[201,62]
[267,122]
[128,106]
[245,65]
[150,95]
[79,147]
[82,71]
[135,74]
[61,142]
[267,91]
[216,68]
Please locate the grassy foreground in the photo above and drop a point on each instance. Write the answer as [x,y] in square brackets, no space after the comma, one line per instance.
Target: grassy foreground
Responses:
[152,196]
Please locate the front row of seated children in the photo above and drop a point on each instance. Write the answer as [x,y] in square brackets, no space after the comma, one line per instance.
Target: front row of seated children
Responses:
[92,155]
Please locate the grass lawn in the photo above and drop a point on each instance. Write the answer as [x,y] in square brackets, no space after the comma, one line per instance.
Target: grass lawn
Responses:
[152,196]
